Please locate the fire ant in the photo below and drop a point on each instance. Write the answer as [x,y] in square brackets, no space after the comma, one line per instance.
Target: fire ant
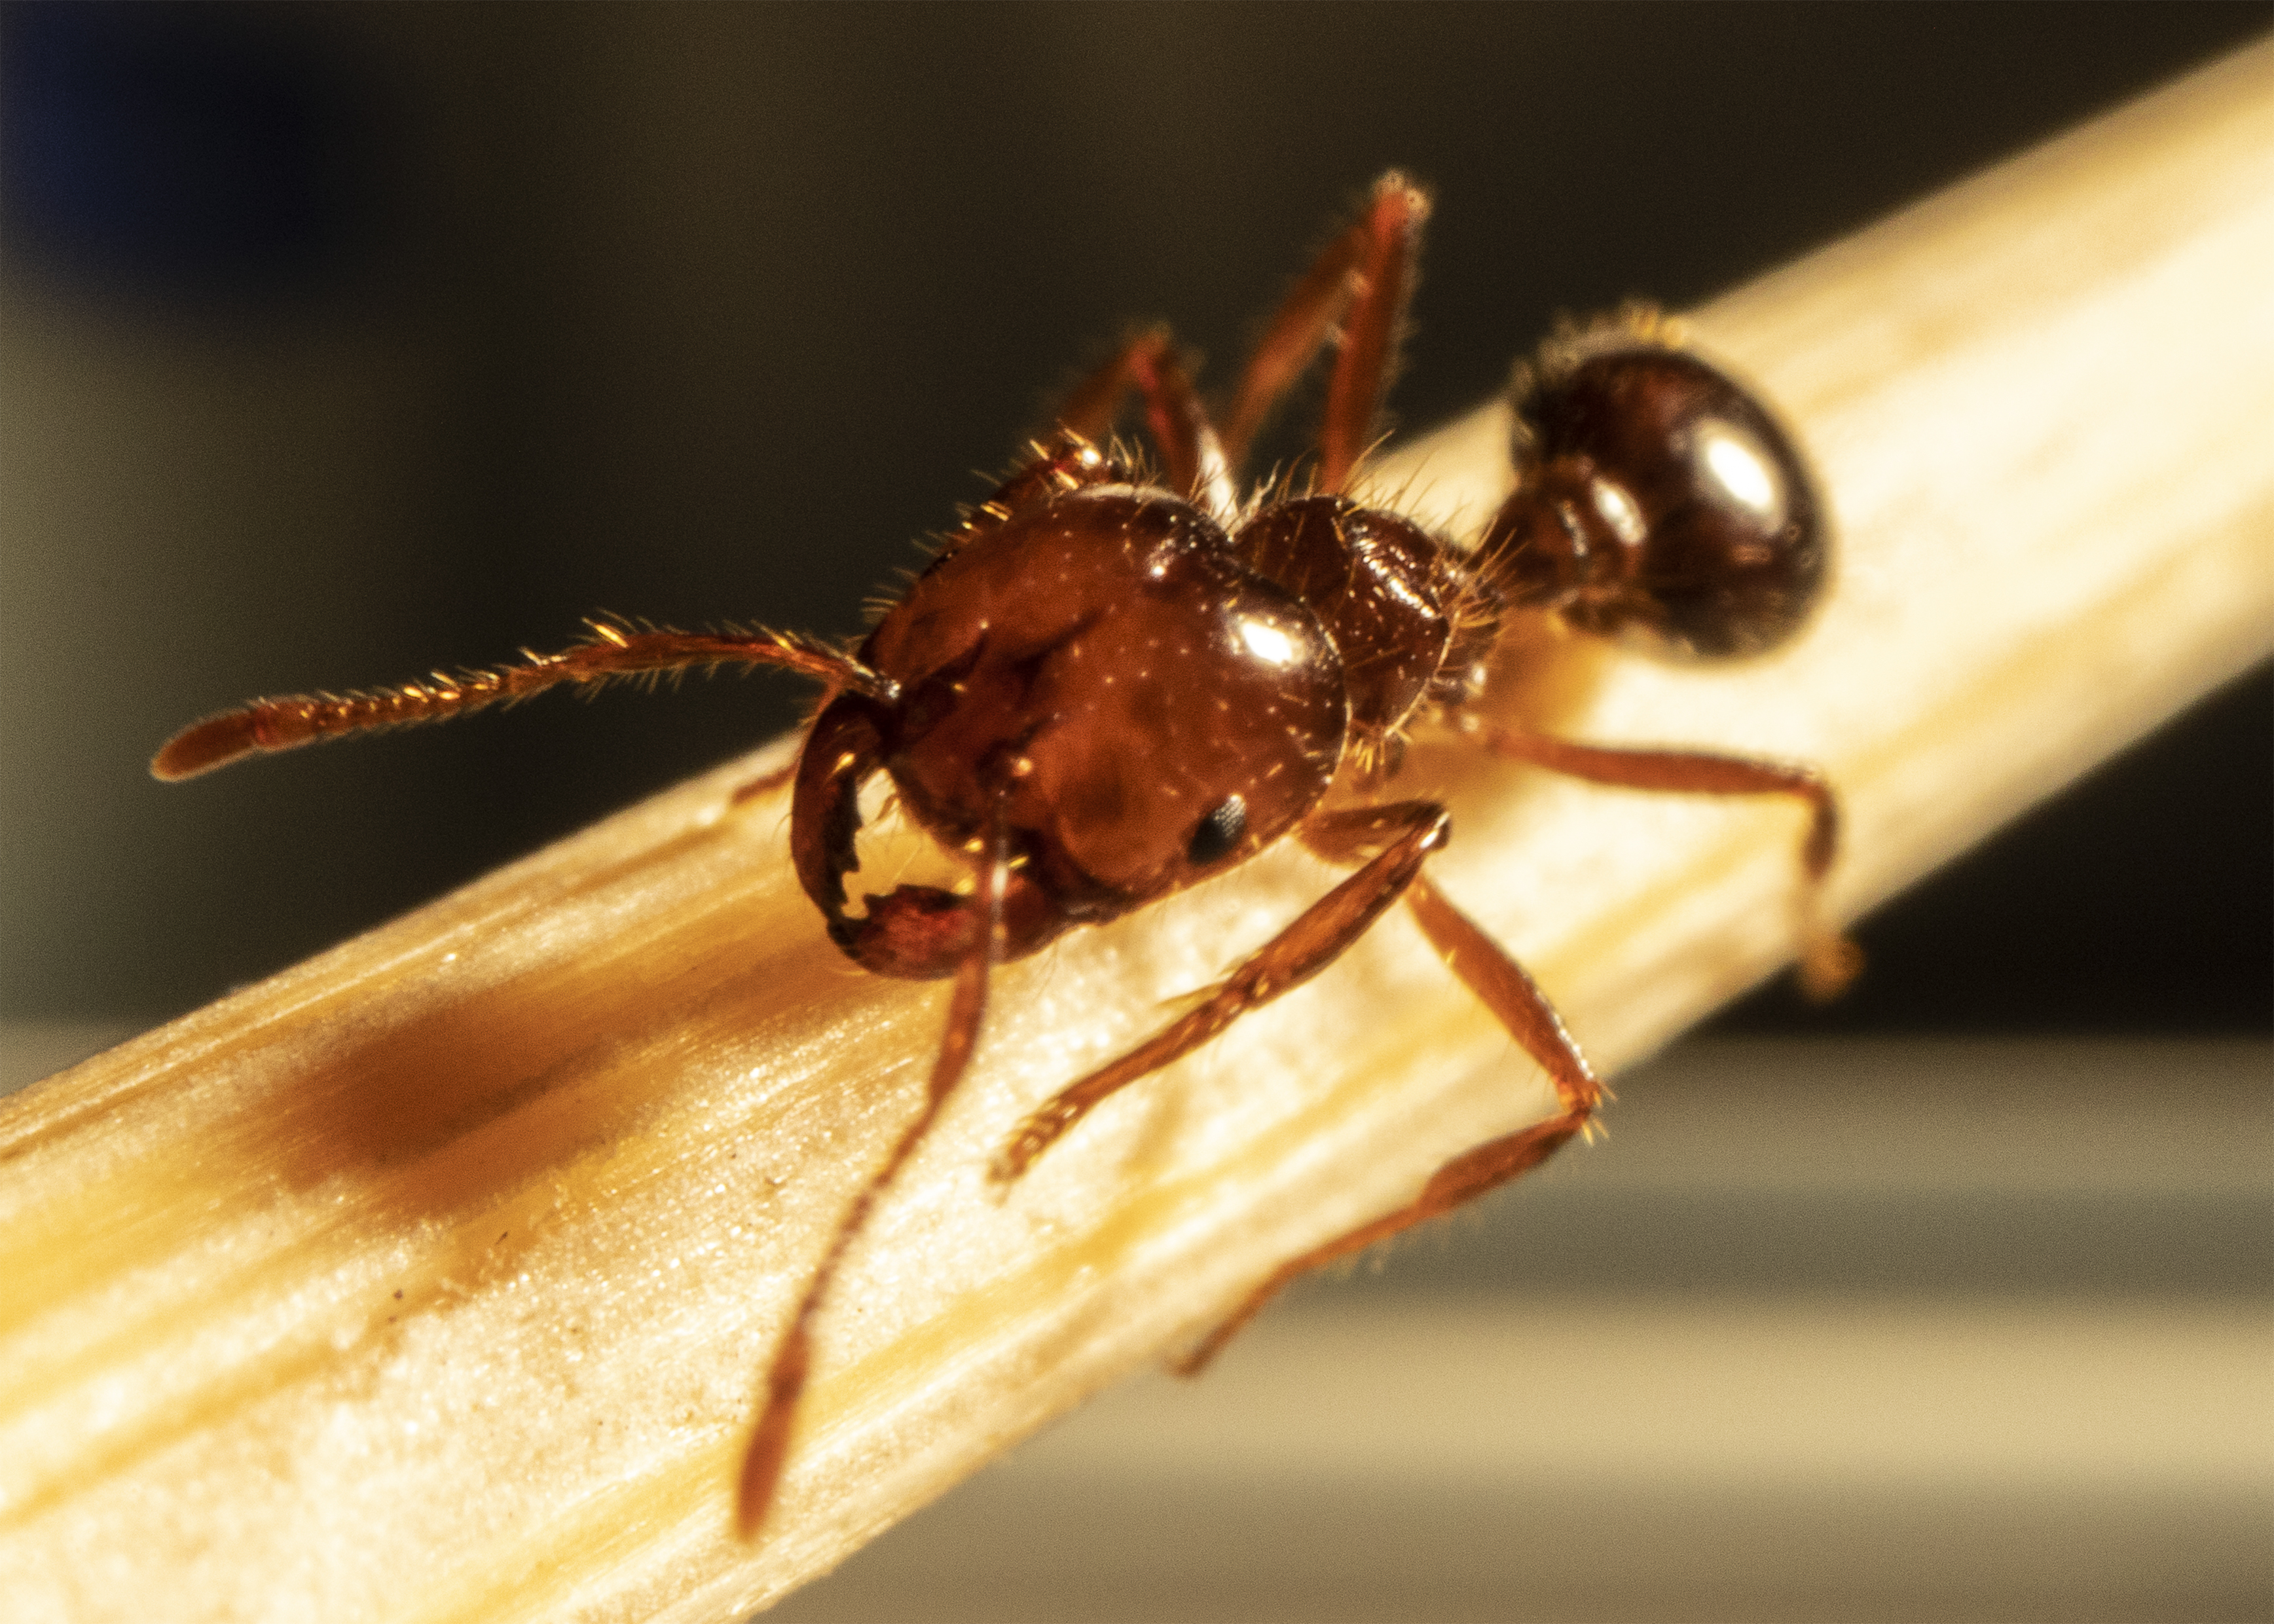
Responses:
[1109,685]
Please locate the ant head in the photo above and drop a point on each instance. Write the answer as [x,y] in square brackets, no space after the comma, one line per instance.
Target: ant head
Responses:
[1144,709]
[1655,498]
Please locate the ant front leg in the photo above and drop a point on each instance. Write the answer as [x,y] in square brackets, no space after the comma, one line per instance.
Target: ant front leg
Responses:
[787,1376]
[1508,990]
[1318,936]
[1828,960]
[1197,466]
[765,783]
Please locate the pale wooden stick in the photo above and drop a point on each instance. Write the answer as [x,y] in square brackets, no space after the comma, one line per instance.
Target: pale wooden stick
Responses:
[431,1279]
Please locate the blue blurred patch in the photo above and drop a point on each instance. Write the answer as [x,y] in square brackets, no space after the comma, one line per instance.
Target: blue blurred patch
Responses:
[176,150]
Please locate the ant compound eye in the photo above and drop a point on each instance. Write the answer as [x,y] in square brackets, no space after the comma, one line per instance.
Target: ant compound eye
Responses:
[1219,832]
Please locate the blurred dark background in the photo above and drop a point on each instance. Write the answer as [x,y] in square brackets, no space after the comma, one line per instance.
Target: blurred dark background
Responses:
[338,343]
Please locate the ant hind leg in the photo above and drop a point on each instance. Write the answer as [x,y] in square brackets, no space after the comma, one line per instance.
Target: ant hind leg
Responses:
[1828,960]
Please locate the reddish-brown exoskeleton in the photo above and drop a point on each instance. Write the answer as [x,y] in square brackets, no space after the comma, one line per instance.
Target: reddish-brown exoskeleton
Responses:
[1108,686]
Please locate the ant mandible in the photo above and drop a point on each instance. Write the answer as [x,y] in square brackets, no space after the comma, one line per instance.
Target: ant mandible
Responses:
[1109,686]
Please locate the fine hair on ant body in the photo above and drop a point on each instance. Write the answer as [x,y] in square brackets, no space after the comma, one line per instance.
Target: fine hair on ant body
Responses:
[1108,686]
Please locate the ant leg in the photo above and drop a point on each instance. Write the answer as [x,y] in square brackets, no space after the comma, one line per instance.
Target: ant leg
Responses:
[1372,332]
[1365,276]
[1828,960]
[786,1376]
[1508,990]
[766,783]
[1197,466]
[1484,967]
[612,651]
[763,784]
[1315,941]
[1510,993]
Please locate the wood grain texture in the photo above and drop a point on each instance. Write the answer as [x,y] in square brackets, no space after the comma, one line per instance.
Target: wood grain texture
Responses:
[431,1279]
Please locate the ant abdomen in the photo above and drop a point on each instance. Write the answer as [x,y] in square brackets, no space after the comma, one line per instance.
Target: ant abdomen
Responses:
[1655,497]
